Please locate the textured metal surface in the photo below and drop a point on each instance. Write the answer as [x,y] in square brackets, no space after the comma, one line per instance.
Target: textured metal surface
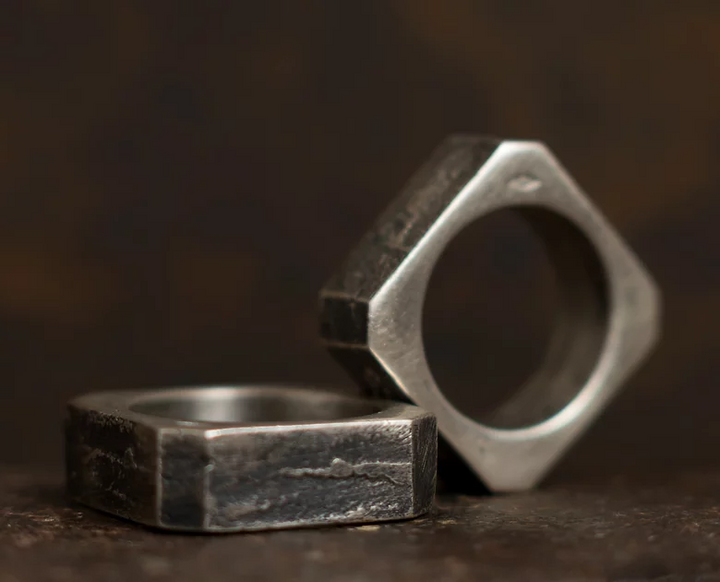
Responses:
[222,459]
[663,528]
[609,305]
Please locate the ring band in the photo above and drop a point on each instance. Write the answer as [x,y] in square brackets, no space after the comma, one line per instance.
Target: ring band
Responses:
[243,458]
[372,309]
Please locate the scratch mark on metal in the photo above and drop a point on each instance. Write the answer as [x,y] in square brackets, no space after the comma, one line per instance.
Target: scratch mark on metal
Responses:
[340,469]
[525,183]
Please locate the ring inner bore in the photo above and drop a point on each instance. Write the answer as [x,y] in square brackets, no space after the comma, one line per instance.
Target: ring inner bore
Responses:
[253,407]
[578,332]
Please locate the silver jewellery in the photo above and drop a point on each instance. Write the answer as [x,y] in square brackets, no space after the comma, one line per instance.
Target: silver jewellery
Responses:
[610,306]
[227,459]
[245,458]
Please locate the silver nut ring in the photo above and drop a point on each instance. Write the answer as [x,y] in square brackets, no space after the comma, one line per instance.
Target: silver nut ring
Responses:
[226,459]
[610,307]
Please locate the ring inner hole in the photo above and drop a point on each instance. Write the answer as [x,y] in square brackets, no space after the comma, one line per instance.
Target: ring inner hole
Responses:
[252,408]
[515,322]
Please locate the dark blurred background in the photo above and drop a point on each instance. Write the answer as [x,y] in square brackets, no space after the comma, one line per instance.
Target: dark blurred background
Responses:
[178,179]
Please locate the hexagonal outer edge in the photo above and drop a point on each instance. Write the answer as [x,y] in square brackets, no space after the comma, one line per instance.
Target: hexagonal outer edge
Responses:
[102,449]
[425,448]
[182,486]
[345,298]
[209,478]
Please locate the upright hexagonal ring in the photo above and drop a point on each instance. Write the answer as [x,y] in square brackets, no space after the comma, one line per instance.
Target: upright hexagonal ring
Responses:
[371,310]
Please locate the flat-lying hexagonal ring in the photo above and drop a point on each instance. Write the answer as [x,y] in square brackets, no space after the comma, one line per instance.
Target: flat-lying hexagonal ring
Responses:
[226,459]
[371,310]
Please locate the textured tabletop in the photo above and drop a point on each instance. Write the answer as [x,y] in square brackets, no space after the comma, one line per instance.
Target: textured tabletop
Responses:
[654,529]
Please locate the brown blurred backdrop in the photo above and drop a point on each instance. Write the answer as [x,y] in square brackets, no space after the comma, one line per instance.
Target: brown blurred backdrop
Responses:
[178,179]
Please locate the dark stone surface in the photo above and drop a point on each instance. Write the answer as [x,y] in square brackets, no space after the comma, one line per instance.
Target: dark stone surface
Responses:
[619,529]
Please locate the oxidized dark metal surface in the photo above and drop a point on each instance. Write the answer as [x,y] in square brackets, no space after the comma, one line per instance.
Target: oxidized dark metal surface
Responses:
[249,458]
[617,530]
